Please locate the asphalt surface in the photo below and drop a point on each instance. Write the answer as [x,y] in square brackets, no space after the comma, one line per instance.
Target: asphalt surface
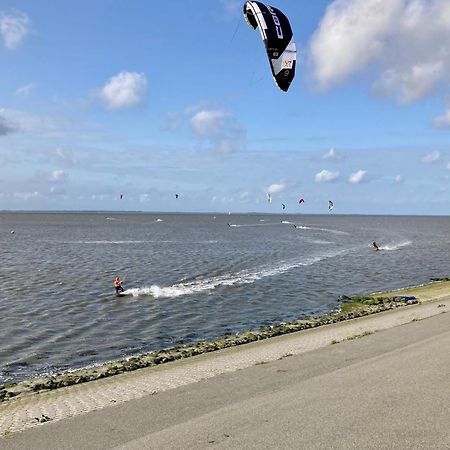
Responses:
[386,390]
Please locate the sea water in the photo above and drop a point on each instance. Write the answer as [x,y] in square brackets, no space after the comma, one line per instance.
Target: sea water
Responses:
[189,277]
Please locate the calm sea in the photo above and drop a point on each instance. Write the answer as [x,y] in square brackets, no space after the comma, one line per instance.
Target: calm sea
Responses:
[189,277]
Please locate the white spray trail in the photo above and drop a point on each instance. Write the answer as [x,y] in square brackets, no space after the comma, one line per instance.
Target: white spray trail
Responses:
[391,247]
[206,284]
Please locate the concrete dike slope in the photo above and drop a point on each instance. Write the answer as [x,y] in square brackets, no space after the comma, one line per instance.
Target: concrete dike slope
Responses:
[63,408]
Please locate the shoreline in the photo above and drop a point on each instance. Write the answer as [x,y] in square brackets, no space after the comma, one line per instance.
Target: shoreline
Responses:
[351,308]
[112,395]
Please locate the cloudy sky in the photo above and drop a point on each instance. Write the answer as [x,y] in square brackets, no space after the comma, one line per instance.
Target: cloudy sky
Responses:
[152,99]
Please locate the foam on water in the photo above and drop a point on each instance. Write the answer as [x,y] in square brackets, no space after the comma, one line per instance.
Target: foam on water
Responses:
[107,242]
[321,242]
[208,284]
[395,246]
[326,230]
[264,224]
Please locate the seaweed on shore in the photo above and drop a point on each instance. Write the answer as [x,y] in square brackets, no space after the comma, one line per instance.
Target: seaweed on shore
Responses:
[350,308]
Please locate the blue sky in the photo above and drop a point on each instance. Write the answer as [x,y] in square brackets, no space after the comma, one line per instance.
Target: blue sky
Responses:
[151,99]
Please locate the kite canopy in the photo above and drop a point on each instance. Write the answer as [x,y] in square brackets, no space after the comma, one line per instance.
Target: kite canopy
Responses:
[278,39]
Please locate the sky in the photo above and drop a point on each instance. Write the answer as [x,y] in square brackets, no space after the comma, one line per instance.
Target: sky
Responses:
[172,106]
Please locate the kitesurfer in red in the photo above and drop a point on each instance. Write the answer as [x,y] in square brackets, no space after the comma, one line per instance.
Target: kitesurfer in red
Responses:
[118,285]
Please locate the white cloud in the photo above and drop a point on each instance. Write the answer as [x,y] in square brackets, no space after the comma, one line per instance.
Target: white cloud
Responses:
[326,176]
[208,124]
[125,90]
[448,166]
[225,146]
[55,176]
[6,126]
[414,82]
[219,128]
[350,35]
[14,26]
[99,197]
[431,158]
[357,177]
[26,195]
[214,128]
[24,91]
[442,121]
[57,190]
[330,155]
[58,176]
[405,42]
[32,124]
[276,187]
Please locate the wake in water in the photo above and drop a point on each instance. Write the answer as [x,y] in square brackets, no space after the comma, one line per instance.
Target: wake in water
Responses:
[326,230]
[265,224]
[396,246]
[105,242]
[205,284]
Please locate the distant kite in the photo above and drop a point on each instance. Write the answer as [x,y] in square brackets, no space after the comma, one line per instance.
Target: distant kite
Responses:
[283,205]
[176,195]
[330,205]
[269,198]
[301,201]
[121,196]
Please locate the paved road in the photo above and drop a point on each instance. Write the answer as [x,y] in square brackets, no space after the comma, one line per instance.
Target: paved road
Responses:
[387,390]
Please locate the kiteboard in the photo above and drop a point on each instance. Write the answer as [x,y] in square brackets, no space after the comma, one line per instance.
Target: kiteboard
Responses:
[121,294]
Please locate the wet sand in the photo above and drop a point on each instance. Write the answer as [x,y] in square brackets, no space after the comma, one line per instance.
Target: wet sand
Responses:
[89,415]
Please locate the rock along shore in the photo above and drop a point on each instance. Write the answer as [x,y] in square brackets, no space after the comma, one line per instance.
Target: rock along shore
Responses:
[350,308]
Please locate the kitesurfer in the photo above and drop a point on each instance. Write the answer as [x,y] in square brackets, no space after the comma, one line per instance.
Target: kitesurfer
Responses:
[118,285]
[375,245]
